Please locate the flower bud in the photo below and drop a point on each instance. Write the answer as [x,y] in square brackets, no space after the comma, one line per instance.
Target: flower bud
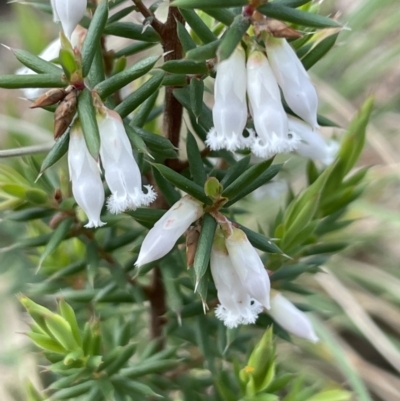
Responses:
[163,236]
[248,266]
[312,144]
[269,117]
[236,305]
[121,171]
[65,113]
[290,318]
[293,79]
[230,109]
[69,13]
[84,173]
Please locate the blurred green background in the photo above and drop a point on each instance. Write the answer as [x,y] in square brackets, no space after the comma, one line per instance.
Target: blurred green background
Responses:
[359,296]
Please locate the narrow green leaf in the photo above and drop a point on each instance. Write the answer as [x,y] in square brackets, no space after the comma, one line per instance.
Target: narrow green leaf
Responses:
[31,81]
[61,331]
[67,271]
[183,183]
[146,216]
[121,14]
[96,72]
[205,52]
[233,36]
[169,274]
[57,237]
[136,141]
[68,62]
[68,314]
[259,241]
[123,357]
[74,391]
[185,67]
[136,98]
[246,178]
[88,120]
[133,49]
[291,272]
[208,3]
[118,81]
[203,252]
[93,36]
[205,118]
[130,30]
[196,95]
[184,37]
[319,51]
[36,63]
[234,171]
[292,3]
[146,368]
[262,179]
[46,343]
[220,14]
[143,112]
[196,164]
[32,213]
[154,142]
[295,16]
[198,26]
[167,189]
[58,150]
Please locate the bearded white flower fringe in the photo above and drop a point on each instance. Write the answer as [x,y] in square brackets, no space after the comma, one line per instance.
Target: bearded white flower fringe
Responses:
[269,117]
[84,173]
[293,79]
[291,319]
[236,305]
[163,236]
[122,173]
[69,13]
[230,109]
[312,144]
[248,266]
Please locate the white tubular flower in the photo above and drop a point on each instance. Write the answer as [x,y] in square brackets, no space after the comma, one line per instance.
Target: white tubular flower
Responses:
[312,144]
[69,13]
[269,117]
[84,173]
[248,266]
[230,110]
[293,79]
[163,236]
[236,306]
[291,319]
[121,170]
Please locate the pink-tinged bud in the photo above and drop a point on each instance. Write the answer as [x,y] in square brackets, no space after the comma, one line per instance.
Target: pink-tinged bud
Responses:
[248,266]
[163,236]
[236,305]
[293,79]
[230,109]
[69,13]
[121,171]
[312,144]
[84,173]
[291,319]
[269,117]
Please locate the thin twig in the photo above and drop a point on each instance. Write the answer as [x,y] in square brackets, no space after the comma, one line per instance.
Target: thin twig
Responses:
[26,150]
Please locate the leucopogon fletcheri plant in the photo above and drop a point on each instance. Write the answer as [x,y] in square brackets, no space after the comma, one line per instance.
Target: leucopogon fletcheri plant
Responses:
[154,158]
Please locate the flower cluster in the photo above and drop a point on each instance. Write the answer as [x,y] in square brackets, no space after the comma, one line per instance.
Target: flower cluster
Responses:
[262,78]
[242,283]
[120,169]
